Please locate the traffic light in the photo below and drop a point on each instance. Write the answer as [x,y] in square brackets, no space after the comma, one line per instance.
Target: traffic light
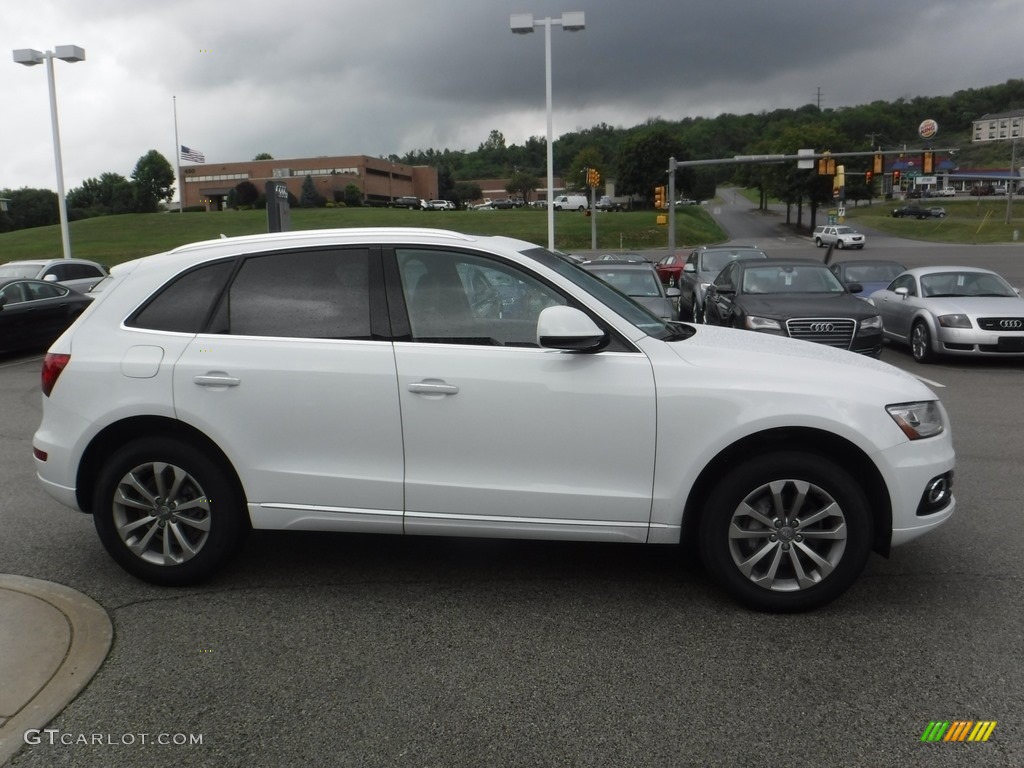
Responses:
[593,177]
[660,193]
[879,164]
[826,166]
[895,177]
[928,163]
[868,176]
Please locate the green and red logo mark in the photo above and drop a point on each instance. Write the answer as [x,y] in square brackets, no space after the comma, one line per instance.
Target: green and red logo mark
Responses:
[958,730]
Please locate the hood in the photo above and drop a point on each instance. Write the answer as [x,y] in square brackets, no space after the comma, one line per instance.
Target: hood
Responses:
[788,305]
[777,357]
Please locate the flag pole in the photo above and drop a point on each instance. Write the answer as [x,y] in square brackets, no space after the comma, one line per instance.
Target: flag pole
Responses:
[177,159]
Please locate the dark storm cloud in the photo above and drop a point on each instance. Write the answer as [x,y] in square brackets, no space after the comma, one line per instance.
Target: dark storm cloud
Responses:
[312,77]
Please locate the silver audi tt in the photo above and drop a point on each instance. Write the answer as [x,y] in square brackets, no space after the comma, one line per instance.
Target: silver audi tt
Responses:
[952,311]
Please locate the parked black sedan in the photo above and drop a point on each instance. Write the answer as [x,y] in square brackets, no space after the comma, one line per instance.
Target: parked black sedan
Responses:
[33,313]
[800,299]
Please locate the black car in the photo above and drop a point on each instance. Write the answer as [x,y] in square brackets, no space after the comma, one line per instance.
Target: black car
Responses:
[911,211]
[799,299]
[33,313]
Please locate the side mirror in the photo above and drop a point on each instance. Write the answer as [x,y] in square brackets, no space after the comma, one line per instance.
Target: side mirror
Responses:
[673,293]
[855,288]
[689,267]
[570,330]
[902,292]
[50,278]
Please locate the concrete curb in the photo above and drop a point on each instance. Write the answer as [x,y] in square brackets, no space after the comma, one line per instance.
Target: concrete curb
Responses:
[53,640]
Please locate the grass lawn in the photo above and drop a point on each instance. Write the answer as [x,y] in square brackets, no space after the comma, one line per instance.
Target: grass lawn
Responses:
[967,220]
[113,239]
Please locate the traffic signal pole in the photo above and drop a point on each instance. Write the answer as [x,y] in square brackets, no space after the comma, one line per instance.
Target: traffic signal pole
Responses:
[809,157]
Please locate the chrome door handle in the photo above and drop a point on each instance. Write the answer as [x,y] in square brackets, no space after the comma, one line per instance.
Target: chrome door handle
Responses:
[433,388]
[217,380]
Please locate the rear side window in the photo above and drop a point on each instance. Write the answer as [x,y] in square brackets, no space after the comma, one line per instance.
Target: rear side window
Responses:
[184,304]
[305,294]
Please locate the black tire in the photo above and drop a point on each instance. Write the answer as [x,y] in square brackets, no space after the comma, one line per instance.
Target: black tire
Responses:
[817,242]
[840,245]
[757,548]
[203,510]
[921,343]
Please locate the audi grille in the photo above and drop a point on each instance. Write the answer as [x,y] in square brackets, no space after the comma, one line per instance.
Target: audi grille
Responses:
[835,332]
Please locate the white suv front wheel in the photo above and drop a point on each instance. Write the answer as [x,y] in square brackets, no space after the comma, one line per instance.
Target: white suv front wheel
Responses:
[787,531]
[166,513]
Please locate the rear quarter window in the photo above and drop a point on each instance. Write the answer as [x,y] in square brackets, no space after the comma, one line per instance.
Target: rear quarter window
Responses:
[184,304]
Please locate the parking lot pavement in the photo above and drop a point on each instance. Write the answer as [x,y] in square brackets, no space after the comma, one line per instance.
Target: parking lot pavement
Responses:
[53,639]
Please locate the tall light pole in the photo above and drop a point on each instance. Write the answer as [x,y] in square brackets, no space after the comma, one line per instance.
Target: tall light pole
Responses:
[522,24]
[30,57]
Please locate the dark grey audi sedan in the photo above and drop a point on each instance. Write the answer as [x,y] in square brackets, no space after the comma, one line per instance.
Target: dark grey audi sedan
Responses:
[800,299]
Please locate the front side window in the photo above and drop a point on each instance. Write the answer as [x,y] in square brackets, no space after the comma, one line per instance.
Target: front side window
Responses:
[904,281]
[461,298]
[726,279]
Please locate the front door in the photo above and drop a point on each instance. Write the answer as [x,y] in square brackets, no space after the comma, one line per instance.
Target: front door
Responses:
[503,438]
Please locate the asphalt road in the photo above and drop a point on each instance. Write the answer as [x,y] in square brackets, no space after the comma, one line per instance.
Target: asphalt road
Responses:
[346,650]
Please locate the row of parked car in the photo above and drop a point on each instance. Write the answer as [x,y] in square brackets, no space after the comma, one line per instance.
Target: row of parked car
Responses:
[40,298]
[851,305]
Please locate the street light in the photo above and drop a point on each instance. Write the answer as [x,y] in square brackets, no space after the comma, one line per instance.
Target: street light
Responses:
[30,57]
[523,24]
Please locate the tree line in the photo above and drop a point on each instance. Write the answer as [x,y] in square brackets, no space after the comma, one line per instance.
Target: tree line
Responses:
[636,157]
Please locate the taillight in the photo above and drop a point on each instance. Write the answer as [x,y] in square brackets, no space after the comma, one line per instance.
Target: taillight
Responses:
[53,365]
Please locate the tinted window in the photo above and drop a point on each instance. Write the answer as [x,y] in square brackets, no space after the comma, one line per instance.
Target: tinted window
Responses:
[727,278]
[905,281]
[82,272]
[60,271]
[184,304]
[44,291]
[307,294]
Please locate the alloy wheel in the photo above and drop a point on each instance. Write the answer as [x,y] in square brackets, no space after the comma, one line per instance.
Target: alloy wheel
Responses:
[787,535]
[161,513]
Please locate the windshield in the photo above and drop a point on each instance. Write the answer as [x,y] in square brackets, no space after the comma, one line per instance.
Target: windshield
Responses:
[20,270]
[618,302]
[715,261]
[873,273]
[632,282]
[791,279]
[965,284]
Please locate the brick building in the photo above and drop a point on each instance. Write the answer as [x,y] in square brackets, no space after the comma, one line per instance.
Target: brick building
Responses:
[379,180]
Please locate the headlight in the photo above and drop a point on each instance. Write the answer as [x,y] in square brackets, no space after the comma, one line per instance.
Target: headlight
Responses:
[954,321]
[762,324]
[871,323]
[917,420]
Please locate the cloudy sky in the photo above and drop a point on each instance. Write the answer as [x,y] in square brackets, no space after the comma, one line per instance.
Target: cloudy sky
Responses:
[299,78]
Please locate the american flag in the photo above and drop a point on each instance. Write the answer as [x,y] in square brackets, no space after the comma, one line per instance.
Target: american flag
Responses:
[187,153]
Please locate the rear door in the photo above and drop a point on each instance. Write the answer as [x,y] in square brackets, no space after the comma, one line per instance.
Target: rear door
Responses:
[295,379]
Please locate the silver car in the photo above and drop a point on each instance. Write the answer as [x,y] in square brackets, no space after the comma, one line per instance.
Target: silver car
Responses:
[952,311]
[639,281]
[79,274]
